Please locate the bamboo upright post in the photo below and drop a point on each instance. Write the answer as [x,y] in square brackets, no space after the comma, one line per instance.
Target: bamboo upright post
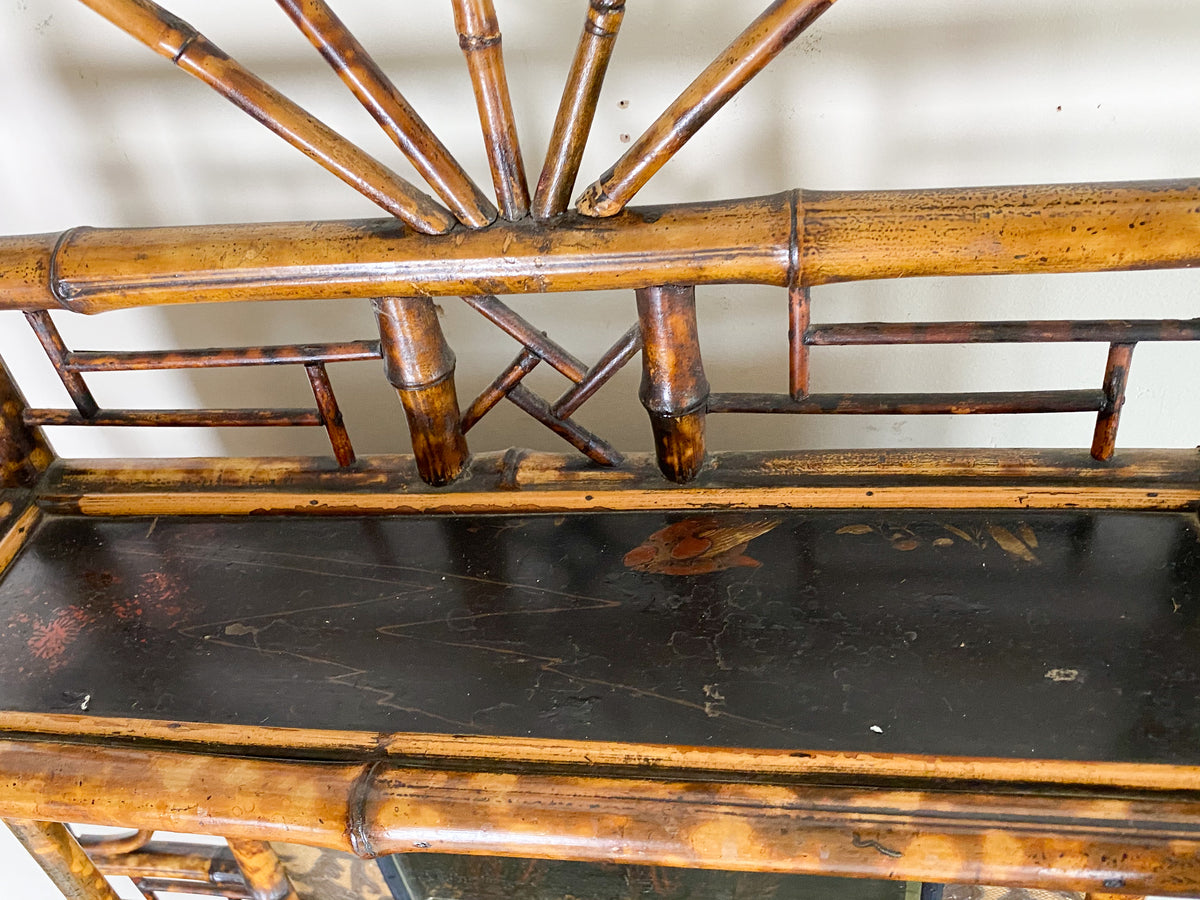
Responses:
[1116,374]
[420,366]
[191,51]
[61,857]
[263,871]
[479,37]
[23,451]
[376,92]
[764,39]
[799,317]
[578,107]
[674,389]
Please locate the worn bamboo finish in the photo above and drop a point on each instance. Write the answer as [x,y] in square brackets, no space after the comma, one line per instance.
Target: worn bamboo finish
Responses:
[120,845]
[420,366]
[331,414]
[578,107]
[799,316]
[524,481]
[1082,331]
[518,327]
[1069,837]
[262,869]
[215,358]
[179,42]
[23,450]
[205,863]
[764,39]
[60,856]
[674,389]
[479,38]
[793,238]
[56,349]
[177,418]
[1116,375]
[594,448]
[626,347]
[18,533]
[376,92]
[913,404]
[153,888]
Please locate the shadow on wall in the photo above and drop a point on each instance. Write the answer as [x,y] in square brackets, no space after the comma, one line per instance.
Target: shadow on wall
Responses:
[912,93]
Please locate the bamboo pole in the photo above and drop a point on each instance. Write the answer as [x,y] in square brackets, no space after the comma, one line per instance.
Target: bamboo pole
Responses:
[479,38]
[764,39]
[61,857]
[674,389]
[626,347]
[799,316]
[177,418]
[23,450]
[578,107]
[420,366]
[1116,375]
[293,354]
[1115,331]
[516,326]
[331,413]
[805,238]
[56,349]
[593,447]
[376,92]
[263,871]
[525,363]
[179,42]
[913,404]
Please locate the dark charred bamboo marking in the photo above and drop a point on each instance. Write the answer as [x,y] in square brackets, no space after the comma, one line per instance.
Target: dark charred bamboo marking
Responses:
[594,448]
[578,107]
[175,39]
[516,326]
[61,857]
[780,24]
[479,38]
[674,389]
[301,354]
[177,418]
[1116,376]
[56,349]
[376,92]
[420,366]
[1099,331]
[626,347]
[331,413]
[912,404]
[799,315]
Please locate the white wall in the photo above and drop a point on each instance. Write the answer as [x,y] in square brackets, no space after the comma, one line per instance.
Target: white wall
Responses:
[100,131]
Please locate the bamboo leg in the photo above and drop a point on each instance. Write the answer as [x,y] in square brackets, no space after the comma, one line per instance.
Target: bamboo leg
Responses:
[263,871]
[780,24]
[479,37]
[674,389]
[387,105]
[1116,374]
[59,854]
[23,451]
[195,54]
[420,366]
[578,107]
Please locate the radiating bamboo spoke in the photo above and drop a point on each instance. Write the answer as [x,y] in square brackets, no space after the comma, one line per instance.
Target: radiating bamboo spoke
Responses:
[385,103]
[578,107]
[479,37]
[780,24]
[191,51]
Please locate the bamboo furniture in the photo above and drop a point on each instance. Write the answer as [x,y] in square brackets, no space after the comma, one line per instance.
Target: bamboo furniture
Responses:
[973,666]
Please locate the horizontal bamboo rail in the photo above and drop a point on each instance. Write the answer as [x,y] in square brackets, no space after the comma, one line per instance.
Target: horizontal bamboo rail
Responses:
[177,418]
[913,404]
[804,237]
[1080,331]
[295,354]
[1065,836]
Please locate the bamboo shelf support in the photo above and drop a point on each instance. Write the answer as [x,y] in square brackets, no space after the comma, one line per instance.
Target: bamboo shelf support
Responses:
[798,237]
[60,856]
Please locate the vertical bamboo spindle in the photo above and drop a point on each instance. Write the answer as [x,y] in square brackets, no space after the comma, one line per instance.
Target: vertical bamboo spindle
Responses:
[1116,374]
[263,871]
[23,450]
[781,23]
[59,854]
[479,37]
[331,413]
[799,316]
[376,92]
[577,108]
[420,366]
[191,51]
[674,389]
